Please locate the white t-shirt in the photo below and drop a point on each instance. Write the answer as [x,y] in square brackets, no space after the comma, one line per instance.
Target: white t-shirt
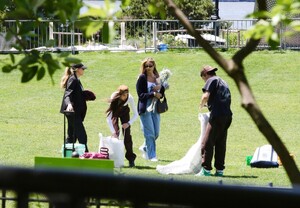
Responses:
[133,108]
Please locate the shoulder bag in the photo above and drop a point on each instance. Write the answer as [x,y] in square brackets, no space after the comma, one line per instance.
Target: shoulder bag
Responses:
[162,105]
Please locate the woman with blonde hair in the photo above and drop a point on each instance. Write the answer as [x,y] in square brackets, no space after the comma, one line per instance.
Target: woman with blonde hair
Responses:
[74,100]
[119,109]
[147,88]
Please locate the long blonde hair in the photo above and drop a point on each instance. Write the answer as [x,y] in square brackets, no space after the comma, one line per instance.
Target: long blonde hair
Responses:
[68,72]
[143,68]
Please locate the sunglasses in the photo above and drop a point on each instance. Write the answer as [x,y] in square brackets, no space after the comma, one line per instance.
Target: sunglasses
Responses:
[148,66]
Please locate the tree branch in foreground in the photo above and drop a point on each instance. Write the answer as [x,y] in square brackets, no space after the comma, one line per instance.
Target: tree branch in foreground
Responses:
[234,68]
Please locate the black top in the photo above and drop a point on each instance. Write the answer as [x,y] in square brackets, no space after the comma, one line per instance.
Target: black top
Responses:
[74,94]
[220,98]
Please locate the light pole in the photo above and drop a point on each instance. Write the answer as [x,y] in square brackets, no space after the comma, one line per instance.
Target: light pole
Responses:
[217,8]
[215,17]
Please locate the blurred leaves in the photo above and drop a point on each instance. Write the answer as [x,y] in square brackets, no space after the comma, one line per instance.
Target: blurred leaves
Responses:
[108,32]
[281,14]
[33,63]
[36,63]
[99,18]
[156,7]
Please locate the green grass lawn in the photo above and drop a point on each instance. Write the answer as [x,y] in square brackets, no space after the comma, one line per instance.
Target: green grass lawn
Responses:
[31,125]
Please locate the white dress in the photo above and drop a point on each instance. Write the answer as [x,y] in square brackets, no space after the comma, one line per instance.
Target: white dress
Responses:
[191,162]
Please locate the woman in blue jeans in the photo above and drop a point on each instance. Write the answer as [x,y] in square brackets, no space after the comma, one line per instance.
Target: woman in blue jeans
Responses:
[148,88]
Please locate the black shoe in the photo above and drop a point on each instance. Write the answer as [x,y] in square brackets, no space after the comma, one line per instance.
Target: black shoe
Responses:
[131,164]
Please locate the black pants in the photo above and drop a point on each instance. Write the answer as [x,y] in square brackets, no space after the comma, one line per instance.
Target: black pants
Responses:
[76,131]
[124,117]
[214,142]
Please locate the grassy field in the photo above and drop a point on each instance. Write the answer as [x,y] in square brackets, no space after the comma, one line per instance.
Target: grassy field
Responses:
[31,125]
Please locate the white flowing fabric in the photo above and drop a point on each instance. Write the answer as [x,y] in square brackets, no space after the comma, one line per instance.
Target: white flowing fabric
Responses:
[191,162]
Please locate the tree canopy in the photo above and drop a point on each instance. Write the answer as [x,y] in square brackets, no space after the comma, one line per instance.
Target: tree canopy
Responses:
[147,9]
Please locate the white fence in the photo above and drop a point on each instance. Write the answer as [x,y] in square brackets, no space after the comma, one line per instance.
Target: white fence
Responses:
[144,35]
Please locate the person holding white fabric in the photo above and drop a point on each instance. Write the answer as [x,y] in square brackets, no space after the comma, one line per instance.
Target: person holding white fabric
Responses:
[217,97]
[119,109]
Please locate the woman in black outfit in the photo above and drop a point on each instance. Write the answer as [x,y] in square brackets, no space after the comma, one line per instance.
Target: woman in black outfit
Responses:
[74,100]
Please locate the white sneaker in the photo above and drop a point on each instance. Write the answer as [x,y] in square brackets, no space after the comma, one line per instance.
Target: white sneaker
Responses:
[143,151]
[154,159]
[204,172]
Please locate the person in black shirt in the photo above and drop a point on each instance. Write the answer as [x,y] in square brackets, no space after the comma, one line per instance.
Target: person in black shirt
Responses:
[216,96]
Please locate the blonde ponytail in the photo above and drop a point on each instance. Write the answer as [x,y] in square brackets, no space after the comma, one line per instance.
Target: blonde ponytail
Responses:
[65,77]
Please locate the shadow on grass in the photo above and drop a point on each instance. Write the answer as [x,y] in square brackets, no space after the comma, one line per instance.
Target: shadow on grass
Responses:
[145,168]
[168,161]
[234,176]
[140,167]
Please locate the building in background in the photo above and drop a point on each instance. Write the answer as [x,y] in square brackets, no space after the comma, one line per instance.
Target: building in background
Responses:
[235,10]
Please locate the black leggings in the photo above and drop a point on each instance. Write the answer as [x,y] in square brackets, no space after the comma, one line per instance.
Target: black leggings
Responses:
[79,132]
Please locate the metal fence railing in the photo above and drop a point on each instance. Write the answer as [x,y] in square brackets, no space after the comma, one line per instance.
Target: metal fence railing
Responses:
[141,35]
[78,189]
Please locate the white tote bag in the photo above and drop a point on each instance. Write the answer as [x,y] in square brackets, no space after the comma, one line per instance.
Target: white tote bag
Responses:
[115,149]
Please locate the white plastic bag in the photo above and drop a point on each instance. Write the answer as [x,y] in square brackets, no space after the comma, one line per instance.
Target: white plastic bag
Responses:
[115,149]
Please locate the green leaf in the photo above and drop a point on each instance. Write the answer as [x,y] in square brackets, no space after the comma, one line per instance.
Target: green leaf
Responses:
[46,57]
[12,58]
[273,44]
[276,19]
[88,26]
[94,12]
[152,9]
[108,32]
[35,53]
[27,60]
[93,27]
[125,3]
[295,25]
[155,7]
[7,68]
[63,54]
[29,73]
[41,73]
[52,64]
[105,33]
[35,4]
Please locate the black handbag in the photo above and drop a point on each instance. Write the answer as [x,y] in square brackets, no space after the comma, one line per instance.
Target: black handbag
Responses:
[162,105]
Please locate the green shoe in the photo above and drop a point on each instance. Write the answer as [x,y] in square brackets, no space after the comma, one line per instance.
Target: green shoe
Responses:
[219,173]
[204,172]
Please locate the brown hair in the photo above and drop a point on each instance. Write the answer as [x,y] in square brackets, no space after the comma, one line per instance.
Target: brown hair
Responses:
[116,103]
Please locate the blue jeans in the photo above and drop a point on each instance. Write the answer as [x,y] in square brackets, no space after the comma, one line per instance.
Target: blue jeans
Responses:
[150,126]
